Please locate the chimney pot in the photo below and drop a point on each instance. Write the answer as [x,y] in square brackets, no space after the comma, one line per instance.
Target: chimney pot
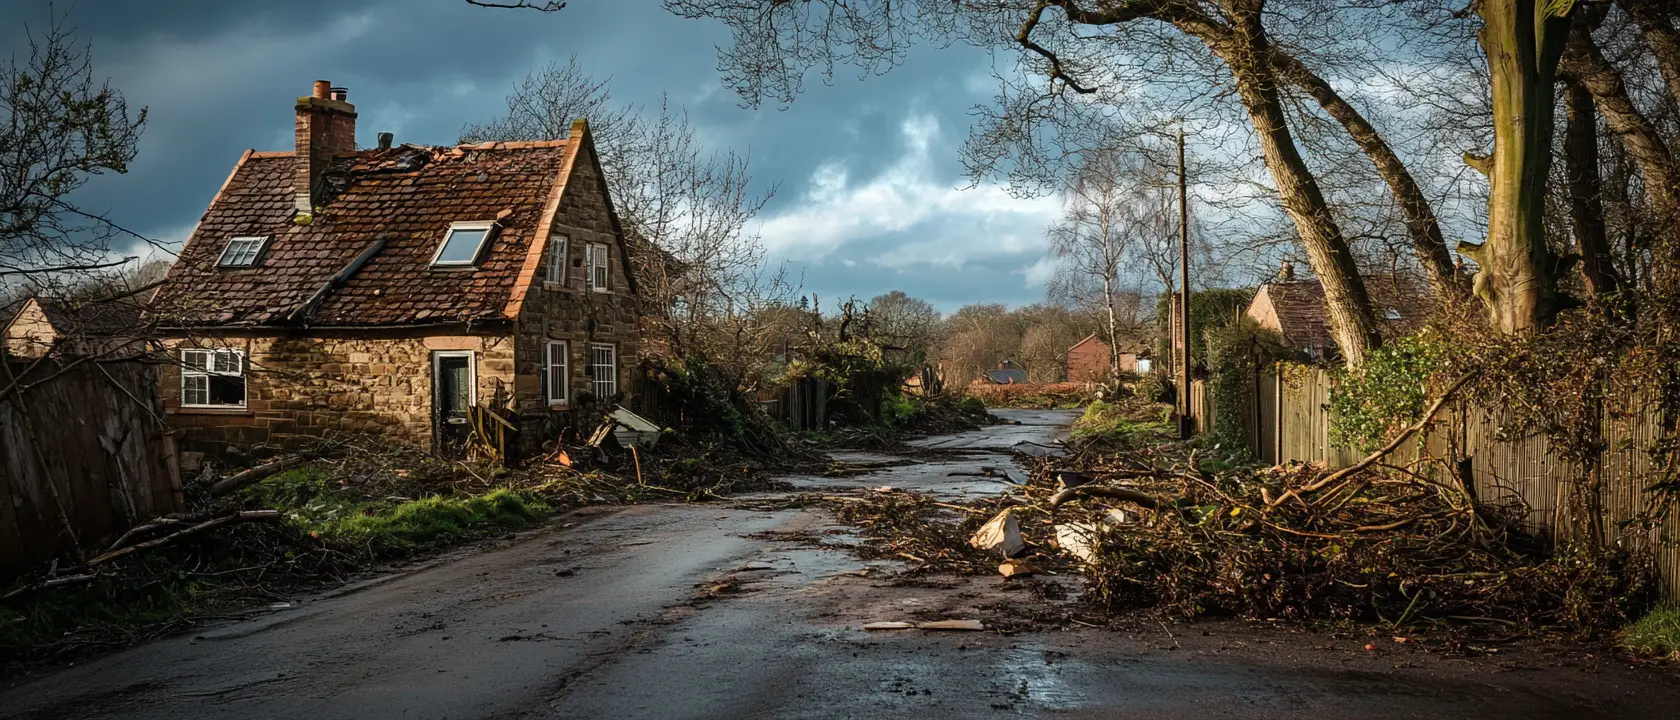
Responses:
[341,94]
[385,140]
[322,88]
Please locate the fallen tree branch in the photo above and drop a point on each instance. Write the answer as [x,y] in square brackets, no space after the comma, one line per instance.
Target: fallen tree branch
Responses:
[194,530]
[46,584]
[251,476]
[1113,493]
[1382,452]
[144,528]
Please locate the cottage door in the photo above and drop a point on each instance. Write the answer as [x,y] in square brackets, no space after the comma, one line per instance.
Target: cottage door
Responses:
[452,399]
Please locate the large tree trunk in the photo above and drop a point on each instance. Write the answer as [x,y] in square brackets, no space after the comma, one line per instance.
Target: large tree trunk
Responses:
[1345,298]
[1428,243]
[1656,25]
[1523,40]
[1586,65]
[1644,144]
[1586,207]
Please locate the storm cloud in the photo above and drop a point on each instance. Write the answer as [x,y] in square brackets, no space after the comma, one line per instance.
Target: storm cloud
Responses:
[871,197]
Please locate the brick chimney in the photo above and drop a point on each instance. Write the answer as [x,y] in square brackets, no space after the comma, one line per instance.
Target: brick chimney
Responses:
[326,126]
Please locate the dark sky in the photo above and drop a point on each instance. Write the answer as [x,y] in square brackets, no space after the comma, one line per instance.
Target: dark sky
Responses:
[869,198]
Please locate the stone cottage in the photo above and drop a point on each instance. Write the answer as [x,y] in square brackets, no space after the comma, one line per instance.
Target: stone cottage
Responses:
[392,291]
[40,325]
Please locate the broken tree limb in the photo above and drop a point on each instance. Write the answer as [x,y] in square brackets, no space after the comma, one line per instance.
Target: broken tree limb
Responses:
[1113,493]
[1382,452]
[212,524]
[47,584]
[251,476]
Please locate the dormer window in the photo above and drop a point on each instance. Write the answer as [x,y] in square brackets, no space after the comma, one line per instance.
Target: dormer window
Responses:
[462,244]
[242,252]
[1391,314]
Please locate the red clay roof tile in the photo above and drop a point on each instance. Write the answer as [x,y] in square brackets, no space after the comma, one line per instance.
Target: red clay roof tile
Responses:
[408,195]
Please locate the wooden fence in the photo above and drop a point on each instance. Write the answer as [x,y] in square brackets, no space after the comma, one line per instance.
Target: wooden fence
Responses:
[84,455]
[802,405]
[1289,420]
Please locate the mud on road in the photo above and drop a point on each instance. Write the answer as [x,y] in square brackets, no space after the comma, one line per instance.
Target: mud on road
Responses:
[753,609]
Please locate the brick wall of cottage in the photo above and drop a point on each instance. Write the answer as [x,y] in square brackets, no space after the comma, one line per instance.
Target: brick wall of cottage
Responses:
[310,387]
[571,311]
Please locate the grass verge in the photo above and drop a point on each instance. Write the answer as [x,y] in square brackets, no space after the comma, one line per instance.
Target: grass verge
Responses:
[1656,634]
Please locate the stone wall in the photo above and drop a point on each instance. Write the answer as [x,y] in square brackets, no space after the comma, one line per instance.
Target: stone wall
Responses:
[571,311]
[29,334]
[309,387]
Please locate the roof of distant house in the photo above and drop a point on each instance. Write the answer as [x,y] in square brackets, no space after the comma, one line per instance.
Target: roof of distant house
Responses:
[1401,305]
[1007,376]
[405,197]
[88,319]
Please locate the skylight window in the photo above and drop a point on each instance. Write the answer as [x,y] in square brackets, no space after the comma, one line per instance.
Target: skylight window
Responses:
[242,252]
[462,244]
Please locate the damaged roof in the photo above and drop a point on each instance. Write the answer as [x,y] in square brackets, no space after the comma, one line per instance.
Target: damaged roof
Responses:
[395,205]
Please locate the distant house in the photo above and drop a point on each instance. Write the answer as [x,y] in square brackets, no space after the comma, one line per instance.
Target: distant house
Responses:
[1088,360]
[39,326]
[1007,373]
[1295,309]
[393,291]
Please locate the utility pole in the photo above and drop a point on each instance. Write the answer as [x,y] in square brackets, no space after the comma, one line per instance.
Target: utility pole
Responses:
[1185,423]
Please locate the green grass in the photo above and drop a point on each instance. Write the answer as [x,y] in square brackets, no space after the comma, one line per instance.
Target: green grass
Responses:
[314,503]
[1658,633]
[331,526]
[435,520]
[1120,423]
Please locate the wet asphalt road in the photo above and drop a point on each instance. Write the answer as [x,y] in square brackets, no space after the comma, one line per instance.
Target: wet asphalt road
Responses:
[727,611]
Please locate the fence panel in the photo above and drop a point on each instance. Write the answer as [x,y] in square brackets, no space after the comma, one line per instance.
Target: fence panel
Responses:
[84,455]
[1292,411]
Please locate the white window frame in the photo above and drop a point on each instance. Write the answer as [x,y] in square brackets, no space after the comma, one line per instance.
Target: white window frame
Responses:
[557,394]
[596,381]
[247,256]
[600,268]
[557,260]
[210,370]
[487,226]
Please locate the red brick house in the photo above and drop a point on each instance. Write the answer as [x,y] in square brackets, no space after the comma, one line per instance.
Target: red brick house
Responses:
[1088,360]
[388,291]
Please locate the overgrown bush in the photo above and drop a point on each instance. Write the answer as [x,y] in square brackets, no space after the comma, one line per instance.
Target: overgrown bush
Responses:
[1386,393]
[1235,354]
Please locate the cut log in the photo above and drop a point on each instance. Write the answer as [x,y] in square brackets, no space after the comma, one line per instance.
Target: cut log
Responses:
[252,476]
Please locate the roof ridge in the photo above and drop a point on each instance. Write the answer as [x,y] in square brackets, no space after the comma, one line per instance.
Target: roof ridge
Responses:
[513,144]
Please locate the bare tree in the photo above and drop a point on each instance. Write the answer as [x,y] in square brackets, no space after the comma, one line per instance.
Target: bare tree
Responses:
[58,129]
[1106,216]
[685,208]
[1095,57]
